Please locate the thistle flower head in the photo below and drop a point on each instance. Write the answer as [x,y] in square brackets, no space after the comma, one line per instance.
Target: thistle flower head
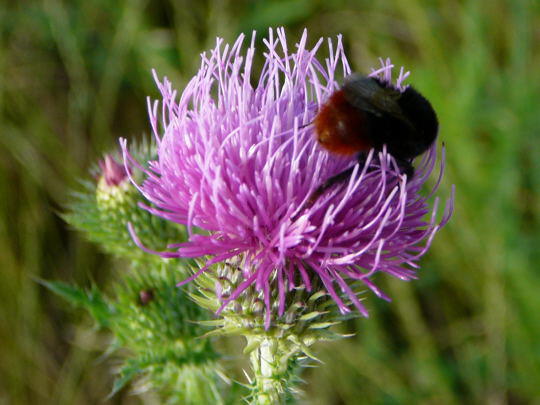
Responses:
[238,160]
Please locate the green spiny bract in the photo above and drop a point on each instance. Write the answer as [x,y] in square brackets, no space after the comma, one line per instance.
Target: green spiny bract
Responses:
[307,318]
[279,352]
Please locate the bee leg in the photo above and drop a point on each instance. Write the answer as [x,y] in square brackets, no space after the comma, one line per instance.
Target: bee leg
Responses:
[362,157]
[405,167]
[338,178]
[305,125]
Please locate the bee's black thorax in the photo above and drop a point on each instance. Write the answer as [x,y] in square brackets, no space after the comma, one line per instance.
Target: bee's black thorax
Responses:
[409,134]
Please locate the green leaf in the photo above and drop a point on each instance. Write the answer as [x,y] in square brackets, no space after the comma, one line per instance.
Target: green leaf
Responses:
[74,295]
[91,300]
[126,375]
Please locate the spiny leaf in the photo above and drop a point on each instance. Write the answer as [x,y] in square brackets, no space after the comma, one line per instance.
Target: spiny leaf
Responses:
[126,375]
[73,294]
[91,300]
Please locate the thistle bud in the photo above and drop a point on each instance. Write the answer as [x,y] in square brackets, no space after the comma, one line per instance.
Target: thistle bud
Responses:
[114,190]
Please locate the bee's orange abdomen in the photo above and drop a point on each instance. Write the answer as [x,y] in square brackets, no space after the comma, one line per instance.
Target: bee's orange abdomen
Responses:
[341,128]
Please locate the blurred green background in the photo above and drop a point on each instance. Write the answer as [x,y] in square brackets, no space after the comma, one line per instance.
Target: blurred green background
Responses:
[73,78]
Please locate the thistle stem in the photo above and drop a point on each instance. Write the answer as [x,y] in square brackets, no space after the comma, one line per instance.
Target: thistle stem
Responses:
[272,377]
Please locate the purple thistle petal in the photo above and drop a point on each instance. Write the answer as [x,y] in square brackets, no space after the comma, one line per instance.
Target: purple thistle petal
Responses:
[112,172]
[238,159]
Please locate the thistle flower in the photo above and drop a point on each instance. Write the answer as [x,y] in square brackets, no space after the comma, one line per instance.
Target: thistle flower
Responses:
[238,160]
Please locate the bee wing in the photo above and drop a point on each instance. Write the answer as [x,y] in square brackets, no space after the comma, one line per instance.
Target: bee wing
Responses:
[366,94]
